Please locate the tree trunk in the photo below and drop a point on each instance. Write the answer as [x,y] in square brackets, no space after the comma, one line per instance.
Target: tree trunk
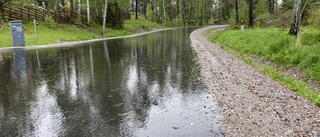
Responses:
[276,6]
[295,18]
[104,16]
[72,8]
[144,8]
[190,13]
[219,13]
[237,12]
[1,12]
[164,12]
[136,9]
[184,12]
[178,7]
[58,7]
[271,6]
[132,6]
[88,12]
[205,12]
[251,13]
[79,10]
[63,6]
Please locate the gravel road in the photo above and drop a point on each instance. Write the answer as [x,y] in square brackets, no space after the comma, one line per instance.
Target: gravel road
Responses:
[250,103]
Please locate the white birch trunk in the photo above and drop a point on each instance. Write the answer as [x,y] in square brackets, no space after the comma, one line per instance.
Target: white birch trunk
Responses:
[88,12]
[79,10]
[164,12]
[295,18]
[104,16]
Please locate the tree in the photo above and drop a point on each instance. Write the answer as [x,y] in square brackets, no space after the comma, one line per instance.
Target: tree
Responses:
[104,16]
[88,12]
[136,9]
[114,16]
[276,6]
[72,8]
[237,12]
[251,13]
[164,12]
[79,10]
[271,6]
[286,5]
[295,18]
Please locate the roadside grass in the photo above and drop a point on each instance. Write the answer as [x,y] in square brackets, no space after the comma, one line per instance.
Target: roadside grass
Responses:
[68,32]
[275,45]
[46,35]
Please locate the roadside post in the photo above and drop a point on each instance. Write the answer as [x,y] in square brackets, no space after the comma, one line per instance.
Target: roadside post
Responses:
[35,30]
[17,34]
[242,26]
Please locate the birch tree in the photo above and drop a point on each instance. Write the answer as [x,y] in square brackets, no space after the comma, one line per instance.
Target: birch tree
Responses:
[295,18]
[164,12]
[104,16]
[88,12]
[79,10]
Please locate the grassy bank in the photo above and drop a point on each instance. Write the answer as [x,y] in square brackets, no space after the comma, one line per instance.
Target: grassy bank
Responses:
[67,32]
[275,45]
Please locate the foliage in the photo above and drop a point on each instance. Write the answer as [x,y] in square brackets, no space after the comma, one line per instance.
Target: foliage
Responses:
[287,5]
[67,32]
[314,19]
[243,13]
[150,13]
[114,16]
[50,22]
[261,7]
[281,51]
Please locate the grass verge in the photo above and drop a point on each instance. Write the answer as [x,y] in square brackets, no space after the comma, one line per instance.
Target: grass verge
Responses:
[277,46]
[68,32]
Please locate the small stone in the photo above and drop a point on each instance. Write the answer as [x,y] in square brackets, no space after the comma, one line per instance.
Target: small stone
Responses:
[175,127]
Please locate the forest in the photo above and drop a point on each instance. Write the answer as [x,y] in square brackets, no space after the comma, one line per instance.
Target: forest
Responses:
[169,13]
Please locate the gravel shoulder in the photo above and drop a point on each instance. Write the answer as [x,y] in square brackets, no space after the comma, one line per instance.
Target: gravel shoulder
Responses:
[250,103]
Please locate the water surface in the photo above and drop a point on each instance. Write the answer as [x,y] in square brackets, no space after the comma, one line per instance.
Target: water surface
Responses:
[141,86]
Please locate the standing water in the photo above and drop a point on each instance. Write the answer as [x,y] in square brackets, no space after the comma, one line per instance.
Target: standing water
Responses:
[141,86]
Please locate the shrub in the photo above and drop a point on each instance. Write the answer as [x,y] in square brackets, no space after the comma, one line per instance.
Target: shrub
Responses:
[50,22]
[314,18]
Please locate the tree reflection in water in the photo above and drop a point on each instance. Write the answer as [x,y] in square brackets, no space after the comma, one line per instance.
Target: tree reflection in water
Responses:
[109,88]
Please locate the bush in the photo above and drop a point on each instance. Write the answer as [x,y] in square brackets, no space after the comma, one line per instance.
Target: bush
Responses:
[50,22]
[314,18]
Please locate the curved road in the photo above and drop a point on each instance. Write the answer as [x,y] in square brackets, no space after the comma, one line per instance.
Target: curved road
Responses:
[250,103]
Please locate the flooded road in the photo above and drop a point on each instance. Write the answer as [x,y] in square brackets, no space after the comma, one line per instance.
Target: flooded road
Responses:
[141,86]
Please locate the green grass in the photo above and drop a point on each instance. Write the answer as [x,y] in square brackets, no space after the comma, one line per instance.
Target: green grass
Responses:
[277,46]
[67,32]
[46,35]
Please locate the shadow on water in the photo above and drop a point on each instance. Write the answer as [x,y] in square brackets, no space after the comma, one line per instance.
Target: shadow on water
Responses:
[142,86]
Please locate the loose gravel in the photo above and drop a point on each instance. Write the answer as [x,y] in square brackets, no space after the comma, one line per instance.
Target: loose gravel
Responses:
[250,103]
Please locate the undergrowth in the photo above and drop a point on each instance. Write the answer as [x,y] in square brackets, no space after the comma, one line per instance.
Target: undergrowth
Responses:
[49,32]
[277,46]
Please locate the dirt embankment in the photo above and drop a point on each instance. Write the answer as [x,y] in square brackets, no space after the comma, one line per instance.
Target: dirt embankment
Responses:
[250,103]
